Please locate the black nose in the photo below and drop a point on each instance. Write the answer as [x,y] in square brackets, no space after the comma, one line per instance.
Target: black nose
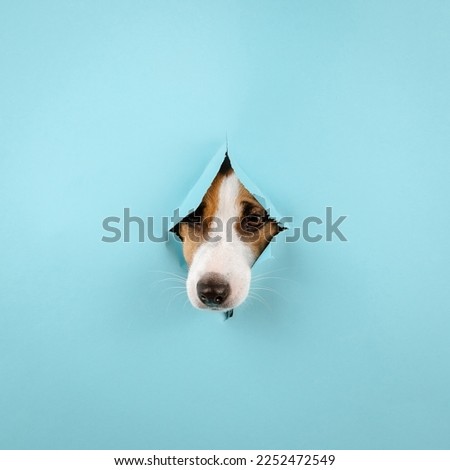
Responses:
[213,290]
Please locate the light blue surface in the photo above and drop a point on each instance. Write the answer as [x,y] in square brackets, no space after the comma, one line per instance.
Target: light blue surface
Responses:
[108,104]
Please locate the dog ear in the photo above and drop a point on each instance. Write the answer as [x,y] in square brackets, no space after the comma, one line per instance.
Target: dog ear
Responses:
[281,228]
[176,230]
[193,217]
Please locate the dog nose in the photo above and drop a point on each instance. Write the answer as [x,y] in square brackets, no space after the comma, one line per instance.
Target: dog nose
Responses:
[213,291]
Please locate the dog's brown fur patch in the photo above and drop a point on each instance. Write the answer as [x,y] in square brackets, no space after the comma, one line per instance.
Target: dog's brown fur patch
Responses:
[259,239]
[194,233]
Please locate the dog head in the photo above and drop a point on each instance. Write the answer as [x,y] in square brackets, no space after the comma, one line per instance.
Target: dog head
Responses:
[222,239]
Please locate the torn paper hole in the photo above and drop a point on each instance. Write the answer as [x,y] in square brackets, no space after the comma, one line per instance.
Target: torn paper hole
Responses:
[197,192]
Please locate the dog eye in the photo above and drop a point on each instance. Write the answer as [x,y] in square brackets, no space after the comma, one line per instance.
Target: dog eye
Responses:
[252,222]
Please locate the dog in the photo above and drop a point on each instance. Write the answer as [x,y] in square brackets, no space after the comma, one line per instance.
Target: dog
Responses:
[222,239]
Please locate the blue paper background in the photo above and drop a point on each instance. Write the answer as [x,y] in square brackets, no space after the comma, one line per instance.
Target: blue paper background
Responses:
[113,104]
